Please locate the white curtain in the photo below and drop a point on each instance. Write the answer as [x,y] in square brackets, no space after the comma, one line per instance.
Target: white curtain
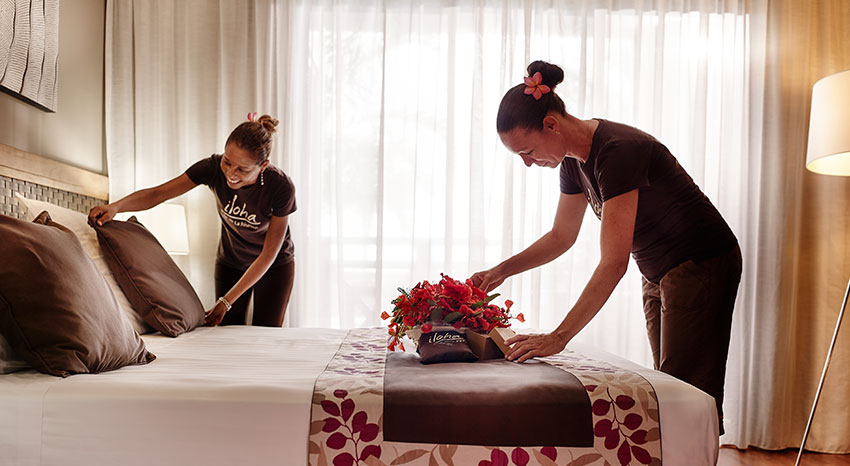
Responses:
[388,131]
[392,124]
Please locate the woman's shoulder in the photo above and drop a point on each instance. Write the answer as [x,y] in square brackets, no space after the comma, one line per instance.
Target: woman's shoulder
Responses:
[278,177]
[613,138]
[614,132]
[204,170]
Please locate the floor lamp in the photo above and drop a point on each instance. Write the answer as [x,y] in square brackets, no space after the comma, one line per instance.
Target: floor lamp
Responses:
[829,154]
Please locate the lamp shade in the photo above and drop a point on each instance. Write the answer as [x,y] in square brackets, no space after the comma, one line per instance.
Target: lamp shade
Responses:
[167,222]
[829,126]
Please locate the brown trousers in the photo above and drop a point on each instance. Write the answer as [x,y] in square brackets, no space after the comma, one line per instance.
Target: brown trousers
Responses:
[271,294]
[689,320]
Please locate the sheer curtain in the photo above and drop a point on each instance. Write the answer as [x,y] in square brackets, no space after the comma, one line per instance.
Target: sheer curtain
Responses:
[804,253]
[402,175]
[388,131]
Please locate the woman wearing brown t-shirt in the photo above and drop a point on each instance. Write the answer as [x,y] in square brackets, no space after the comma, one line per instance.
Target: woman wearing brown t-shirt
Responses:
[649,208]
[254,199]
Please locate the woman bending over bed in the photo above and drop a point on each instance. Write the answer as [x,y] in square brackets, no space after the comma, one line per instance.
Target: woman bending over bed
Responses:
[649,207]
[254,198]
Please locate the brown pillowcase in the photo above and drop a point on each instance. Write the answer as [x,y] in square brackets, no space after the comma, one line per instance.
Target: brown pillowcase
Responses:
[56,310]
[152,282]
[445,344]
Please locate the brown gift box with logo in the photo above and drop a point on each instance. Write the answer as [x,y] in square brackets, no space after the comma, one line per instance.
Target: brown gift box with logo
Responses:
[489,346]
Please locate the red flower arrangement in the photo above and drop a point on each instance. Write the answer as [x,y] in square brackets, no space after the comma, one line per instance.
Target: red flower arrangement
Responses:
[460,304]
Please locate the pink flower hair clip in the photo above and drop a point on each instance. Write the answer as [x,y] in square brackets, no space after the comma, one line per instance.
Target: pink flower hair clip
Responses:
[534,86]
[252,116]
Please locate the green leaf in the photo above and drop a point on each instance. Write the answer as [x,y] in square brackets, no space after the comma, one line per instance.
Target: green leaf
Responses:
[452,317]
[436,314]
[484,301]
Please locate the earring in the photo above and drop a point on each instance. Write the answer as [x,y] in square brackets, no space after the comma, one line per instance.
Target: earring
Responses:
[261,178]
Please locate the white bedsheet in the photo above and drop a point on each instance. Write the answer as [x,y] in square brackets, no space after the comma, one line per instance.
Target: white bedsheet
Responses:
[236,395]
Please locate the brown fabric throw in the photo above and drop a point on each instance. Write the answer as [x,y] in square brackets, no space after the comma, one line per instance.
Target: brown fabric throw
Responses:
[496,403]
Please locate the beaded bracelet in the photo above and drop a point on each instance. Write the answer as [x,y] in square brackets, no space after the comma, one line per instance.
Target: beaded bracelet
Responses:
[224,301]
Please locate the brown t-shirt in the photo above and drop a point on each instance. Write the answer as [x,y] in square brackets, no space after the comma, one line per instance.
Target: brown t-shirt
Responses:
[245,212]
[675,221]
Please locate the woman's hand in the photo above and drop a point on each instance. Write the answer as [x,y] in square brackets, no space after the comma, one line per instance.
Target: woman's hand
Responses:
[214,316]
[488,279]
[525,347]
[102,214]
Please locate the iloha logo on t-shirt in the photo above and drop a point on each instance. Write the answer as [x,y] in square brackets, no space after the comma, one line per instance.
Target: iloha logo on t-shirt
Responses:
[239,216]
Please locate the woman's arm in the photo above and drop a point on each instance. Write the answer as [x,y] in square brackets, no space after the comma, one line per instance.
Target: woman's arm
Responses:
[142,199]
[271,247]
[618,225]
[555,242]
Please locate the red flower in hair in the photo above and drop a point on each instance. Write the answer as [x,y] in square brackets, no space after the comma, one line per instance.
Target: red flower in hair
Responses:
[534,86]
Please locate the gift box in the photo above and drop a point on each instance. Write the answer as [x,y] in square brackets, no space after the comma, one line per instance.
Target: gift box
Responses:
[499,336]
[483,345]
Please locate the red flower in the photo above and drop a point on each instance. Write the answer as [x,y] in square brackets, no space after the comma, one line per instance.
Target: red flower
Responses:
[460,304]
[520,317]
[456,290]
[534,86]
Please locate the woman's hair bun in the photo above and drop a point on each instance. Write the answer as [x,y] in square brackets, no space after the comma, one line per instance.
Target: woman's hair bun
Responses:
[269,123]
[552,74]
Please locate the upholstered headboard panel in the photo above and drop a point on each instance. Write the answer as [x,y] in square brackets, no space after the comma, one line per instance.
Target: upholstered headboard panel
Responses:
[40,178]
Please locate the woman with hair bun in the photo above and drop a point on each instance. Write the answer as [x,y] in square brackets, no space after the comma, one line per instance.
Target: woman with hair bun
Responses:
[649,207]
[254,198]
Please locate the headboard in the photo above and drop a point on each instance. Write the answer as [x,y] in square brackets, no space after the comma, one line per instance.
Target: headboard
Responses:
[48,180]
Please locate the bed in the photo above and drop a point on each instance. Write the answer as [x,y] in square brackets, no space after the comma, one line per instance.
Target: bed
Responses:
[251,395]
[236,395]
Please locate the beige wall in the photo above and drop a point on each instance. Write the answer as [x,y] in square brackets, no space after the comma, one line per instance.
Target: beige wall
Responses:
[74,134]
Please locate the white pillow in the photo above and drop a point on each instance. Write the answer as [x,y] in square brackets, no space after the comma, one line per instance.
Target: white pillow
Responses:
[78,223]
[9,362]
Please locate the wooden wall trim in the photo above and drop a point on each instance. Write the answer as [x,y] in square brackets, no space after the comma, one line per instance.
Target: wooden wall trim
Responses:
[41,170]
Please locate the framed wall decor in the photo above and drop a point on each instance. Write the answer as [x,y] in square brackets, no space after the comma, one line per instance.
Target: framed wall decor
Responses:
[29,51]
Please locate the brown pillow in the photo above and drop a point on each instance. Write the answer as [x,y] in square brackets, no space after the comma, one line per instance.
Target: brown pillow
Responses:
[56,310]
[445,344]
[152,282]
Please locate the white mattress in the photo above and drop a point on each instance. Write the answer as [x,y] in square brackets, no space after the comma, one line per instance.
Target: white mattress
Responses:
[236,395]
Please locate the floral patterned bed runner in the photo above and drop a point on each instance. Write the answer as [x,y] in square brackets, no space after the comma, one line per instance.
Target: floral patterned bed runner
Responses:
[348,409]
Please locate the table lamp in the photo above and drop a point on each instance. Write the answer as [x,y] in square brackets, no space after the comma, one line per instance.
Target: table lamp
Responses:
[829,154]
